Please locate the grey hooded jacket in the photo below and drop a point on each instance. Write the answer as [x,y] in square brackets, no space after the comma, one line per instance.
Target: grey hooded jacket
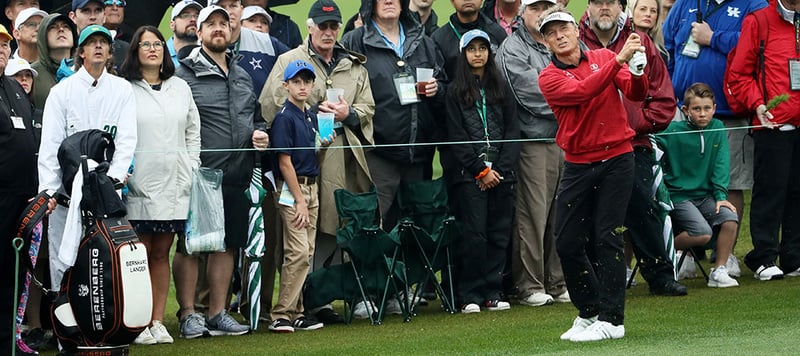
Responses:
[521,59]
[226,105]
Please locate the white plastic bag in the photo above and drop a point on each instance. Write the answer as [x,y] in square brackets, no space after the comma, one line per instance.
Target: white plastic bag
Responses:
[205,226]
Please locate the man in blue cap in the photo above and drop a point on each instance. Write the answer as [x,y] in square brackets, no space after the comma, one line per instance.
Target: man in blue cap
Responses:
[91,12]
[89,99]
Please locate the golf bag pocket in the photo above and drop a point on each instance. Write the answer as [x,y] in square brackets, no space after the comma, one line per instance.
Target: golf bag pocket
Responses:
[108,288]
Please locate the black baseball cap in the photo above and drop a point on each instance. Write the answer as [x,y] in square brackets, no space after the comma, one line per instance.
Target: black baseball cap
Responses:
[324,10]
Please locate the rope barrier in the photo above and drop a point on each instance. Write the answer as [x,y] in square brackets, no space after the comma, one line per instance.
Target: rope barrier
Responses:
[416,144]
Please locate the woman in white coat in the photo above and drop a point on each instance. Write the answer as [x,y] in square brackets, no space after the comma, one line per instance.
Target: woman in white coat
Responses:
[166,152]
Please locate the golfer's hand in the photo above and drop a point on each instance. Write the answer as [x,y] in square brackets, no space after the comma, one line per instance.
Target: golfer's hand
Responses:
[631,46]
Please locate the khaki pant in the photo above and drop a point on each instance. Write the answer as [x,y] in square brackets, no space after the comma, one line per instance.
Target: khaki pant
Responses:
[535,266]
[298,249]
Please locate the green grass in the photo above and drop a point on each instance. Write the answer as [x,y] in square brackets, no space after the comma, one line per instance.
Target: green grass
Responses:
[755,318]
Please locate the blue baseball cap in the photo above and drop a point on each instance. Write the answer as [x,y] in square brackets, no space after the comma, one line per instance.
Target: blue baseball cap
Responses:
[91,30]
[79,4]
[296,67]
[471,35]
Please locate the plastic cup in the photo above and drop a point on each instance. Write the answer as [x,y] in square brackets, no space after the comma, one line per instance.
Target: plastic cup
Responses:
[423,76]
[325,123]
[333,94]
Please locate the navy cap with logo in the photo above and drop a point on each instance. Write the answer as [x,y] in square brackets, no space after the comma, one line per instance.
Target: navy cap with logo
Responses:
[324,10]
[296,67]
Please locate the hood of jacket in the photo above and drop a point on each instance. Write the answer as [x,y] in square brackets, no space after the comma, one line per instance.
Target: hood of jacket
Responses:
[406,18]
[41,38]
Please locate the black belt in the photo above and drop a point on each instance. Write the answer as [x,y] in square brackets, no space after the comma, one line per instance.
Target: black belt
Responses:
[306,180]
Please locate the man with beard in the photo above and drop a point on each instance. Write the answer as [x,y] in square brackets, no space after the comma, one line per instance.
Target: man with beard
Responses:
[226,103]
[604,27]
[184,27]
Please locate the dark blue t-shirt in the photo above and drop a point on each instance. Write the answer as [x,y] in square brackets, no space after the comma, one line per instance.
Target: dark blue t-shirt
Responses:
[294,127]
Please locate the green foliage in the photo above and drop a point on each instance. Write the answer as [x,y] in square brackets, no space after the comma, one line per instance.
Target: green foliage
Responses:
[778,99]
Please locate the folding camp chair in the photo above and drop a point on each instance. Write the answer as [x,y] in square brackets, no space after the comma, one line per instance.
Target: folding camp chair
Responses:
[677,268]
[372,253]
[426,231]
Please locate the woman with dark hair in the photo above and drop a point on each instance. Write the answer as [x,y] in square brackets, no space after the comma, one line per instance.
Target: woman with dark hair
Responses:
[479,169]
[167,150]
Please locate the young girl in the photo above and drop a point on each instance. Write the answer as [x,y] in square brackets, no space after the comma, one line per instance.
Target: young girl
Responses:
[480,174]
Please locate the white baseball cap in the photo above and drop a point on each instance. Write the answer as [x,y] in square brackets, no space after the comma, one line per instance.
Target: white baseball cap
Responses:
[16,65]
[531,2]
[182,5]
[26,14]
[207,11]
[251,11]
[556,16]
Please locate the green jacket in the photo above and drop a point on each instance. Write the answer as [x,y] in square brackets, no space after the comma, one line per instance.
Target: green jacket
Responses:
[696,163]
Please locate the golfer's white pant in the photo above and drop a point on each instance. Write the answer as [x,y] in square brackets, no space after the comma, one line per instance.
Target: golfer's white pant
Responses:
[55,233]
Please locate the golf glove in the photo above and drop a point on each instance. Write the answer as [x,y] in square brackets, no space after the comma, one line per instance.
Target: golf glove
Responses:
[636,64]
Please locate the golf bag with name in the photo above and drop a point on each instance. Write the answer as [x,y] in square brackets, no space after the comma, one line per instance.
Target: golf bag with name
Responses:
[106,296]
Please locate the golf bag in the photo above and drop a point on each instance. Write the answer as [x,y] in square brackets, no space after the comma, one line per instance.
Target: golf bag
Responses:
[106,296]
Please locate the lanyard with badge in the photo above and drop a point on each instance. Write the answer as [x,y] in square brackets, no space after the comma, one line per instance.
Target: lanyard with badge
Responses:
[488,153]
[794,63]
[405,85]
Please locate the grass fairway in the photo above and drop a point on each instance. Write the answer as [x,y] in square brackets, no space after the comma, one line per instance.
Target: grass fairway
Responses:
[756,318]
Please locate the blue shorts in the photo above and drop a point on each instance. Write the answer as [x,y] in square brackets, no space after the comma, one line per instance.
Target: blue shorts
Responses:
[699,217]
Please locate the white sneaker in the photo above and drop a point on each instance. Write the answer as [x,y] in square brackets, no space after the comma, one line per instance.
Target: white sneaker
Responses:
[795,273]
[362,312]
[562,298]
[720,278]
[768,272]
[145,338]
[628,273]
[578,326]
[160,333]
[470,308]
[537,299]
[600,330]
[733,266]
[393,307]
[687,268]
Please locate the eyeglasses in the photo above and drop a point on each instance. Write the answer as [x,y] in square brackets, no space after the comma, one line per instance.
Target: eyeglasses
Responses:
[333,26]
[30,24]
[120,3]
[189,16]
[147,45]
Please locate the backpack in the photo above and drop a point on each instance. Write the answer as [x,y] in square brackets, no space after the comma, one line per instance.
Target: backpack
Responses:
[739,108]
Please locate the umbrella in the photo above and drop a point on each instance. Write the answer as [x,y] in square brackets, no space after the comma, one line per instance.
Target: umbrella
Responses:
[661,194]
[255,247]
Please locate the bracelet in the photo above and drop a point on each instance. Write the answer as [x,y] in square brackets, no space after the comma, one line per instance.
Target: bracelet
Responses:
[483,173]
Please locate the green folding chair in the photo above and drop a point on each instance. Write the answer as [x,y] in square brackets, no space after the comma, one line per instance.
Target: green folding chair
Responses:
[371,251]
[426,231]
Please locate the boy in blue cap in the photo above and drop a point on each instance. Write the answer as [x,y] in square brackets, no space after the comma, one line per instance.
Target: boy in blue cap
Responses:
[294,138]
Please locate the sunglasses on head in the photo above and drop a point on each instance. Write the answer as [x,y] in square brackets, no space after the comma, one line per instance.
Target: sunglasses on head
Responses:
[120,3]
